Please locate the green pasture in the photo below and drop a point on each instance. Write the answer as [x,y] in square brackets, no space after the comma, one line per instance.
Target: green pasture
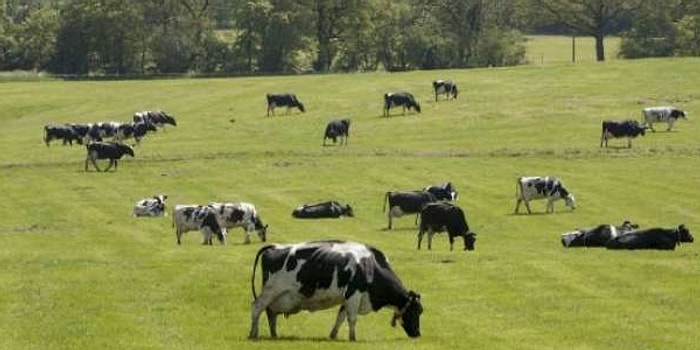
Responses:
[78,272]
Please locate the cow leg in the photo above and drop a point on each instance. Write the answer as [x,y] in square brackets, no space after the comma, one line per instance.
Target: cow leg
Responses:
[420,237]
[431,233]
[517,205]
[111,163]
[629,142]
[247,236]
[342,315]
[352,308]
[93,159]
[452,241]
[255,317]
[527,206]
[272,322]
[550,206]
[178,234]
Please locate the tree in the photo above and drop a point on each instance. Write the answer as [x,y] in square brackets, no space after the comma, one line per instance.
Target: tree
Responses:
[590,17]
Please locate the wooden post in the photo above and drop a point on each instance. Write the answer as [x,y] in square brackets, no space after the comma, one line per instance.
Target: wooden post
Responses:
[573,49]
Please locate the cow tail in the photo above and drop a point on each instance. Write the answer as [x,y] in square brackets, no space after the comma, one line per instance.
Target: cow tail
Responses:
[255,267]
[386,199]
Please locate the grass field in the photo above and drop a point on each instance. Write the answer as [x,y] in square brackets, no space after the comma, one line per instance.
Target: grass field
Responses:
[78,272]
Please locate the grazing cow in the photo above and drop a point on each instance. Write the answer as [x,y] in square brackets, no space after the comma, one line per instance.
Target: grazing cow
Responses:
[403,99]
[283,100]
[626,128]
[541,187]
[652,238]
[106,150]
[319,275]
[597,236]
[410,202]
[198,217]
[60,132]
[443,192]
[243,215]
[664,114]
[442,216]
[339,128]
[329,209]
[154,206]
[87,133]
[445,87]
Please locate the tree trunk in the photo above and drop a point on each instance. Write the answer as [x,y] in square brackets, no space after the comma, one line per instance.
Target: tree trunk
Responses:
[599,48]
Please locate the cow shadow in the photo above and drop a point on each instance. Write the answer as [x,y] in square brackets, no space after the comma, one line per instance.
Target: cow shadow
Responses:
[386,229]
[307,339]
[538,213]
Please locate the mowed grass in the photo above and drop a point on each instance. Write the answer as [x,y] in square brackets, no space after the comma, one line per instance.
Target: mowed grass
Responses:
[557,49]
[79,272]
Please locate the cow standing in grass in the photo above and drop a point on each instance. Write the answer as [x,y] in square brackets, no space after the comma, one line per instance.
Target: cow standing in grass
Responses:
[541,187]
[445,87]
[283,100]
[339,128]
[663,114]
[403,99]
[614,129]
[106,150]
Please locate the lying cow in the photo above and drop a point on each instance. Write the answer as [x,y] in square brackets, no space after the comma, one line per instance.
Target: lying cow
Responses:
[443,192]
[652,238]
[106,150]
[64,133]
[445,87]
[614,129]
[154,206]
[329,209]
[403,99]
[664,114]
[442,216]
[597,236]
[198,217]
[541,187]
[339,128]
[319,275]
[283,100]
[410,202]
[243,215]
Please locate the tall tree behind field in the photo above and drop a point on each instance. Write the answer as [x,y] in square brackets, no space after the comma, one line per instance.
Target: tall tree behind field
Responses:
[286,27]
[335,21]
[590,17]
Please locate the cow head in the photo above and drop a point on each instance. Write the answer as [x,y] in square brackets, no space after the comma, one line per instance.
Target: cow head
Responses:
[301,107]
[409,315]
[677,113]
[684,235]
[126,149]
[416,106]
[469,240]
[455,92]
[348,211]
[570,201]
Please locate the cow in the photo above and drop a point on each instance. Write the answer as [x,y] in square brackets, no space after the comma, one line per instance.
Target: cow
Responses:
[157,118]
[445,87]
[137,130]
[60,132]
[243,215]
[403,99]
[328,209]
[443,192]
[339,128]
[283,100]
[541,187]
[198,217]
[663,114]
[406,202]
[320,275]
[597,236]
[618,129]
[154,206]
[86,133]
[443,216]
[652,238]
[106,150]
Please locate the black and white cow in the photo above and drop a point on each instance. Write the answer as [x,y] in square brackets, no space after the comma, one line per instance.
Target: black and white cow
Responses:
[652,238]
[443,192]
[443,216]
[597,236]
[87,132]
[106,150]
[550,188]
[136,130]
[339,128]
[445,87]
[618,129]
[328,209]
[64,133]
[403,99]
[156,118]
[283,100]
[243,215]
[198,217]
[154,206]
[320,275]
[406,202]
[663,114]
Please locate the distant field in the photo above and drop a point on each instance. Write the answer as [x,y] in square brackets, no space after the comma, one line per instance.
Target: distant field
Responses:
[78,272]
[548,49]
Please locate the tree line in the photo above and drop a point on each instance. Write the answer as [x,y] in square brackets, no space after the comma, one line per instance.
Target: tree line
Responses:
[123,37]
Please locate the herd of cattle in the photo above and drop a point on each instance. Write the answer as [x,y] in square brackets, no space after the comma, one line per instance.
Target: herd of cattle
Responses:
[105,140]
[323,274]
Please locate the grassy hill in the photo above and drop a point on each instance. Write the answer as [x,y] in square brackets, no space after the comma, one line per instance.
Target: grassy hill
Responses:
[79,272]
